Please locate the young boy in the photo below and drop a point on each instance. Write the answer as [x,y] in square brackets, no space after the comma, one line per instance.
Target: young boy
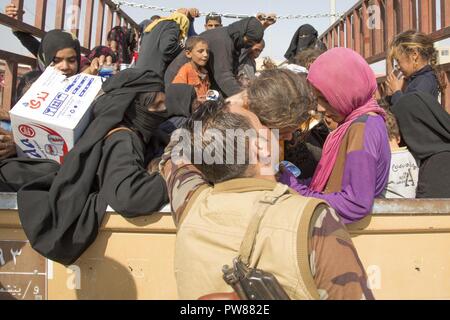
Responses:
[213,21]
[404,171]
[194,72]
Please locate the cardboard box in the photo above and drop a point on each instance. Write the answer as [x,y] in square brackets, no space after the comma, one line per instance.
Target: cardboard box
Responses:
[53,113]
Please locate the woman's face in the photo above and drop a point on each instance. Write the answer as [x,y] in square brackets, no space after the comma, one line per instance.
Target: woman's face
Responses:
[329,113]
[158,105]
[66,61]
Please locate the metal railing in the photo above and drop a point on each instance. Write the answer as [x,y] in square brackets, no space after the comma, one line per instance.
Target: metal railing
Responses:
[105,13]
[370,25]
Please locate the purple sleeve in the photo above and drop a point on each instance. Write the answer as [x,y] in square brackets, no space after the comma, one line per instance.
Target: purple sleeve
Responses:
[355,200]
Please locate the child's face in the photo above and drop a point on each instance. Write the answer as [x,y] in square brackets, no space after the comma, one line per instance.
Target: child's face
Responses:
[408,63]
[66,61]
[199,54]
[212,24]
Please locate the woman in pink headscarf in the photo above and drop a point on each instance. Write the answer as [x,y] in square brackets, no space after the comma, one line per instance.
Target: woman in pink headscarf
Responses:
[354,167]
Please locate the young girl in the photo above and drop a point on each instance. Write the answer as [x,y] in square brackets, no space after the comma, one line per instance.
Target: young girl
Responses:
[416,58]
[425,127]
[354,166]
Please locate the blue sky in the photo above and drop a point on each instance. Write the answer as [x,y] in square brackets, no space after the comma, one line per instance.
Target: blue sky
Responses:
[277,36]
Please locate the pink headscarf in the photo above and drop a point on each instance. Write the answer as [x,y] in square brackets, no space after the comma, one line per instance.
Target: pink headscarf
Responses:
[348,83]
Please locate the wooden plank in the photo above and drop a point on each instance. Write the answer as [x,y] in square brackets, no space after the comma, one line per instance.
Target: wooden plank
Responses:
[367,39]
[348,31]
[88,23]
[440,34]
[414,14]
[41,11]
[109,18]
[376,57]
[9,90]
[445,13]
[348,13]
[406,16]
[76,13]
[123,14]
[390,29]
[60,14]
[117,21]
[21,26]
[100,17]
[334,35]
[342,34]
[13,57]
[357,31]
[427,15]
[19,5]
[378,44]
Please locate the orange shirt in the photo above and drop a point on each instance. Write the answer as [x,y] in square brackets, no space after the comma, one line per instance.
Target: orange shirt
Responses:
[200,81]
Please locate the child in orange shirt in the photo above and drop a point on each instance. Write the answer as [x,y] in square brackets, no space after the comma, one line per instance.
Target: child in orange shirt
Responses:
[194,72]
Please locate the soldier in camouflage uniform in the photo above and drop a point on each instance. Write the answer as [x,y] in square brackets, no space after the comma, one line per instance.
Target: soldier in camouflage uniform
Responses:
[212,206]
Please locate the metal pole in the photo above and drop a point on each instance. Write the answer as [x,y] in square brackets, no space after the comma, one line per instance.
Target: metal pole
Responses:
[332,11]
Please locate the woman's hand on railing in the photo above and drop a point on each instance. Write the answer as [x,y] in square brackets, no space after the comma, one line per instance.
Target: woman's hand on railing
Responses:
[13,12]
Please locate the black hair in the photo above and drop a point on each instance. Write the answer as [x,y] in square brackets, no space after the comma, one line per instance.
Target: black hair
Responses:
[213,16]
[214,115]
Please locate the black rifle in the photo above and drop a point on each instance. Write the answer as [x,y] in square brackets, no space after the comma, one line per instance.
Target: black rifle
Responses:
[252,283]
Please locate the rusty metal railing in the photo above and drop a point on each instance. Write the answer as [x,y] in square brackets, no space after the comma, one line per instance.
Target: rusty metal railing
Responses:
[370,25]
[106,13]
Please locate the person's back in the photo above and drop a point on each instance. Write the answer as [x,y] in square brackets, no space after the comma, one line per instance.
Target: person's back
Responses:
[403,175]
[159,47]
[404,171]
[365,146]
[425,128]
[206,241]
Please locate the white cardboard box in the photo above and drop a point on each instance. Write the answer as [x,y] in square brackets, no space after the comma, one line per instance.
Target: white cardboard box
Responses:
[53,113]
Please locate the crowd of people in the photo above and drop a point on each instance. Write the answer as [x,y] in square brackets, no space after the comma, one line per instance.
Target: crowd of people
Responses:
[319,106]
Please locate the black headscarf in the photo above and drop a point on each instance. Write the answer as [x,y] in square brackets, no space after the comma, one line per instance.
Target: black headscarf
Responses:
[53,41]
[305,37]
[143,25]
[424,124]
[249,27]
[178,95]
